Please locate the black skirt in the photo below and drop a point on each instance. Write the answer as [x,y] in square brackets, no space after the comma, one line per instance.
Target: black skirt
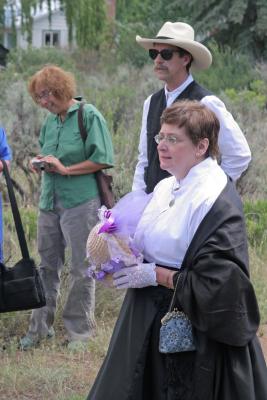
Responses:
[134,369]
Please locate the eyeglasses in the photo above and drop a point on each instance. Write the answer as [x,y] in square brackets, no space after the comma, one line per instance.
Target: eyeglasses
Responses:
[43,96]
[166,54]
[169,139]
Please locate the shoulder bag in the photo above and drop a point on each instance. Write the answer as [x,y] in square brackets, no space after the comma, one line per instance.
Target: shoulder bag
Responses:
[104,180]
[20,286]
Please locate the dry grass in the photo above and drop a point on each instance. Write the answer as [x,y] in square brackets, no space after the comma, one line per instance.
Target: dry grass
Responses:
[51,371]
[47,373]
[259,279]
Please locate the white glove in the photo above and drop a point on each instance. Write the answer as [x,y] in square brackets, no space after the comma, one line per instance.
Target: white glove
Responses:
[138,276]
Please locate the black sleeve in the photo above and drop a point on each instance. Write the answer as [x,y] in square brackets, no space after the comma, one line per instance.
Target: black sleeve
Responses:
[215,290]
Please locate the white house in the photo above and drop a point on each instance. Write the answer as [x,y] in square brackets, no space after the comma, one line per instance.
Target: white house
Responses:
[45,33]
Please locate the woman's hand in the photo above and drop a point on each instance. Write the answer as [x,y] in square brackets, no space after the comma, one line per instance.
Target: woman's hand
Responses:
[138,276]
[143,275]
[35,164]
[165,277]
[52,164]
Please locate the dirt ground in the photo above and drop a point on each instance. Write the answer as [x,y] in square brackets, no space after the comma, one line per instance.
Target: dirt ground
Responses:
[263,339]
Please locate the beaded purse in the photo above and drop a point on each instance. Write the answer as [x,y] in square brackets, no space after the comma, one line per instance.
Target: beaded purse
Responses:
[176,334]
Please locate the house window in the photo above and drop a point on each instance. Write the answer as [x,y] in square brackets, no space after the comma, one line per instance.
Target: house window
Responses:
[51,38]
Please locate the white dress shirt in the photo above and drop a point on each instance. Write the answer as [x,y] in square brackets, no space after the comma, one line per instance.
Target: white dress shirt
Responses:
[234,149]
[175,211]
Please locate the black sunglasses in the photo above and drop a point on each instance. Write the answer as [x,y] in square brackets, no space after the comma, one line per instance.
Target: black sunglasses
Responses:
[166,54]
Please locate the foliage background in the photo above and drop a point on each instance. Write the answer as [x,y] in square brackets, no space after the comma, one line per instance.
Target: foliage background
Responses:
[116,76]
[239,24]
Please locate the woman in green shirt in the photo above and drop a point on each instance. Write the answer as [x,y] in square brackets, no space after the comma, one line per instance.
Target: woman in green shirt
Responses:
[68,203]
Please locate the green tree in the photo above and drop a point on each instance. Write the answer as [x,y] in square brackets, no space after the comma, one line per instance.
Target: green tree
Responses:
[142,18]
[133,11]
[26,17]
[89,19]
[240,24]
[150,13]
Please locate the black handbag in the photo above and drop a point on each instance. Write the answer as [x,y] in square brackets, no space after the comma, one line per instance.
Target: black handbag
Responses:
[20,286]
[104,180]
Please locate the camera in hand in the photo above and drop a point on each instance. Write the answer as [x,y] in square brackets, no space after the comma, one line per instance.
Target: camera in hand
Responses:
[38,164]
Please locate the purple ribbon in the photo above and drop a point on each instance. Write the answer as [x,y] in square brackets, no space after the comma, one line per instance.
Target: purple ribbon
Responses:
[134,249]
[109,225]
[99,275]
[107,268]
[113,266]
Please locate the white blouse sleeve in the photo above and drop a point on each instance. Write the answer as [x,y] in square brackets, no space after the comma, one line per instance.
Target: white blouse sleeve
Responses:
[234,149]
[138,180]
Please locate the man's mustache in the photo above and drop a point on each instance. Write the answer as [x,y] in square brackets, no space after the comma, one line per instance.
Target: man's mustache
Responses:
[160,68]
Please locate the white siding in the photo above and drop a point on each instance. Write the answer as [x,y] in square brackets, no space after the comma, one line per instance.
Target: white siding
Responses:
[41,25]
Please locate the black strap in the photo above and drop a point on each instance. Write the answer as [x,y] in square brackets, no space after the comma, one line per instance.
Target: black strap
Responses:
[82,129]
[16,214]
[174,299]
[171,306]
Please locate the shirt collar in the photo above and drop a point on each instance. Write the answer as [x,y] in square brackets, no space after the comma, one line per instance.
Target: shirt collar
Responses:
[171,96]
[199,171]
[73,107]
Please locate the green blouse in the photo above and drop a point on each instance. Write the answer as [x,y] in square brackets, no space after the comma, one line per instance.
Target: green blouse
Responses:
[63,140]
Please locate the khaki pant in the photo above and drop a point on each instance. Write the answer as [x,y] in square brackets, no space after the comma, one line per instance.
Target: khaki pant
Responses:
[57,230]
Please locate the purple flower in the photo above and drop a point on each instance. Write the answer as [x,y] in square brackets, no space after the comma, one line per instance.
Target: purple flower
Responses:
[100,275]
[113,266]
[108,227]
[106,269]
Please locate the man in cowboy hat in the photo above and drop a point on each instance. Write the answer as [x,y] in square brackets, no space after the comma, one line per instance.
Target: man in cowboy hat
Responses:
[175,51]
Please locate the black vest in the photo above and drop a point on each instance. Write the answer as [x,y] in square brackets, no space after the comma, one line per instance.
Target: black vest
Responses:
[153,172]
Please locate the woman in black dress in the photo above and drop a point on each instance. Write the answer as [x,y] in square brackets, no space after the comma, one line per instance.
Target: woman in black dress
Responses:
[192,228]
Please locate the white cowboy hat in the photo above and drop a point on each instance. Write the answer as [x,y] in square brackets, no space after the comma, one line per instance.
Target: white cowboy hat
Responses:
[181,35]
